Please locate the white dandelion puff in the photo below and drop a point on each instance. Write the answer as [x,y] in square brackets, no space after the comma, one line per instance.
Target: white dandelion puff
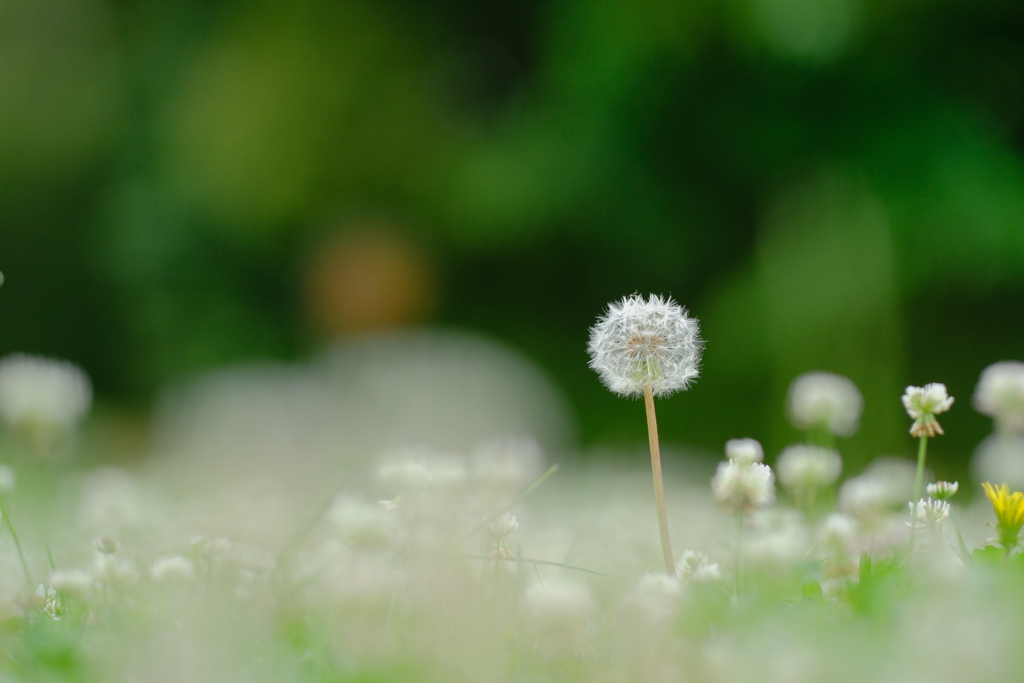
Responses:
[1000,395]
[824,399]
[638,343]
[923,404]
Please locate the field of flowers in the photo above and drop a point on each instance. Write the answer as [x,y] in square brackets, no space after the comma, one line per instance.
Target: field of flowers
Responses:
[498,563]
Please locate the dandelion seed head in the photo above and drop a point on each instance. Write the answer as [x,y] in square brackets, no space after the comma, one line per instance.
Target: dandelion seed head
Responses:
[825,399]
[801,468]
[744,451]
[742,488]
[638,343]
[923,404]
[1000,395]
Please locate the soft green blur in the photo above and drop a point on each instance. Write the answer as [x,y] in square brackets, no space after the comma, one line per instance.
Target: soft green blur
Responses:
[826,184]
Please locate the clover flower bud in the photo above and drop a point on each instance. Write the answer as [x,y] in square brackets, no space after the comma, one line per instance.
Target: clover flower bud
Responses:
[824,399]
[695,567]
[49,602]
[923,404]
[742,488]
[805,468]
[172,568]
[42,393]
[745,451]
[638,343]
[942,490]
[929,512]
[1000,395]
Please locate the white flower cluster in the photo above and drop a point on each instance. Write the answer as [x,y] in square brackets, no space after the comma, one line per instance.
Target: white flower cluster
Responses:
[742,487]
[696,567]
[923,404]
[929,512]
[824,399]
[1000,395]
[943,490]
[744,450]
[637,343]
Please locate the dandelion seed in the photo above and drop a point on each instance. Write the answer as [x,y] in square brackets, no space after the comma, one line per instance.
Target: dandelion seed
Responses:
[1000,395]
[942,490]
[825,400]
[1009,509]
[744,451]
[742,488]
[923,404]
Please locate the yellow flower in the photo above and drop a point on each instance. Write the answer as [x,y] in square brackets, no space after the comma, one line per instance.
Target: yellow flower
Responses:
[1009,509]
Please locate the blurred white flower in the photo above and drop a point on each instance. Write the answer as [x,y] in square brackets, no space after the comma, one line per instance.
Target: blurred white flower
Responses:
[76,582]
[696,567]
[923,404]
[7,479]
[805,468]
[929,512]
[172,568]
[49,602]
[661,585]
[558,615]
[106,545]
[508,464]
[114,571]
[361,524]
[744,451]
[1000,395]
[824,399]
[884,487]
[779,538]
[45,397]
[1000,458]
[637,342]
[837,531]
[942,490]
[743,488]
[503,526]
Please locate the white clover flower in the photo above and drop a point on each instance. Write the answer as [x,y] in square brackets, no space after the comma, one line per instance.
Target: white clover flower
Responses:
[661,585]
[638,343]
[361,524]
[696,567]
[884,487]
[172,568]
[744,451]
[837,531]
[114,571]
[824,399]
[502,526]
[942,490]
[43,393]
[7,479]
[929,512]
[923,404]
[106,545]
[50,602]
[805,468]
[76,582]
[742,488]
[1000,395]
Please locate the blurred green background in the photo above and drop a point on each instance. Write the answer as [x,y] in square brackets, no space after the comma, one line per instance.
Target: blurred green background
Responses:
[826,184]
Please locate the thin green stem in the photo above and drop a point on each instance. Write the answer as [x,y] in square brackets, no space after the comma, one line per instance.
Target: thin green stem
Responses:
[922,451]
[739,553]
[659,484]
[17,542]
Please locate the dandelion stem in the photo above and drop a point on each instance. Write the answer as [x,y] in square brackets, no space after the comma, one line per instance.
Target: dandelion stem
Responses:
[921,453]
[17,543]
[659,484]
